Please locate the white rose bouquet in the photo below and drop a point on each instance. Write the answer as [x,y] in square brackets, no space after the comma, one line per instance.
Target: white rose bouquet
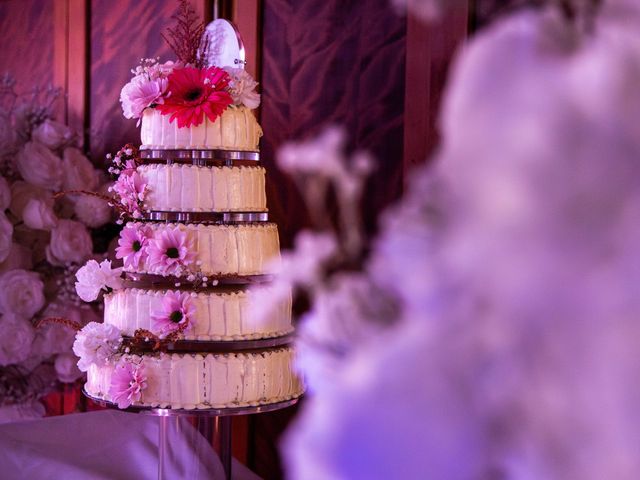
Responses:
[44,239]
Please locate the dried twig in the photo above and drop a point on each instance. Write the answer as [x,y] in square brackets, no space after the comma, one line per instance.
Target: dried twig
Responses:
[187,38]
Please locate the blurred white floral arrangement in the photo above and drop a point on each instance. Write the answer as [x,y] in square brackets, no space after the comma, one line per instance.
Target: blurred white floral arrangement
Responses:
[493,330]
[44,238]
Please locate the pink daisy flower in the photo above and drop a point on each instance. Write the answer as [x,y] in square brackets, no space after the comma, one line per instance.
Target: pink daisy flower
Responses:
[171,251]
[128,380]
[132,245]
[176,314]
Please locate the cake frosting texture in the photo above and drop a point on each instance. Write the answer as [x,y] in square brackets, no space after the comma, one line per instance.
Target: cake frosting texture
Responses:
[228,250]
[190,188]
[235,129]
[191,381]
[225,315]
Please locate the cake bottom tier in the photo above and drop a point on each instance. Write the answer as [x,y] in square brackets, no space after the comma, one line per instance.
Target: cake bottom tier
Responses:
[199,381]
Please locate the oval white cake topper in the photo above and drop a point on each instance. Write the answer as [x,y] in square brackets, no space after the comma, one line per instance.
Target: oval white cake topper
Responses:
[225,45]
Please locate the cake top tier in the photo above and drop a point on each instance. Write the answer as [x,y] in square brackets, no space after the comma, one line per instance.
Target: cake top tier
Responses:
[187,102]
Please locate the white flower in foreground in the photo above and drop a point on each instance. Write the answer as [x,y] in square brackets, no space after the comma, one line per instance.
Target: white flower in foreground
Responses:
[96,344]
[15,341]
[321,156]
[304,264]
[347,313]
[94,277]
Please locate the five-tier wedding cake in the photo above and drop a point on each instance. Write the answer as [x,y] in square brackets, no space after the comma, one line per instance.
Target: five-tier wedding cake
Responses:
[178,327]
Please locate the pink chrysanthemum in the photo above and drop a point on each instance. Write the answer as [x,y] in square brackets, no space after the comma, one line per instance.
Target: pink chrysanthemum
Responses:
[131,190]
[176,314]
[128,380]
[171,251]
[194,93]
[132,245]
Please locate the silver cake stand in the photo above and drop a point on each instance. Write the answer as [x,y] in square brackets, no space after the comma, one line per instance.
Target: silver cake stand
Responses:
[214,424]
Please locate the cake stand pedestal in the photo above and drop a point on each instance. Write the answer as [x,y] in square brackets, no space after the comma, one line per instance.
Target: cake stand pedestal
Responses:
[214,424]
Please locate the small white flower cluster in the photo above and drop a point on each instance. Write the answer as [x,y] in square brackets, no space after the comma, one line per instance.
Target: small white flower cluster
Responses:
[95,277]
[242,88]
[96,343]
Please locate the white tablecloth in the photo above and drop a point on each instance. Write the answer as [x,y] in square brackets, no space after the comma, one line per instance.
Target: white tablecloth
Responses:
[106,445]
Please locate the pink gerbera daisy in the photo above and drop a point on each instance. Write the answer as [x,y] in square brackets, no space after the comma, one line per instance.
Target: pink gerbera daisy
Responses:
[176,314]
[132,245]
[128,380]
[194,93]
[171,251]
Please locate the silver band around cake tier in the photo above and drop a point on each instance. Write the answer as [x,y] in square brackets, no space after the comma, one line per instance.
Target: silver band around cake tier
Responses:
[213,282]
[221,346]
[205,217]
[199,412]
[202,158]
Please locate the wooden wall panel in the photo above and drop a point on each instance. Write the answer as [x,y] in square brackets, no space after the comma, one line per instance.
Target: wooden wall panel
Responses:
[430,49]
[26,42]
[325,63]
[122,33]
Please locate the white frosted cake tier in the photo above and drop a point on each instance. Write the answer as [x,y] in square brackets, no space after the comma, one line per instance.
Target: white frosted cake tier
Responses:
[236,129]
[218,316]
[219,250]
[197,381]
[190,188]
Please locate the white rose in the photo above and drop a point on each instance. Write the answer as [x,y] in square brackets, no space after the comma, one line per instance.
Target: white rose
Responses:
[15,341]
[79,173]
[6,236]
[19,257]
[39,215]
[70,242]
[67,368]
[52,134]
[52,338]
[21,293]
[94,277]
[39,166]
[92,211]
[22,192]
[5,194]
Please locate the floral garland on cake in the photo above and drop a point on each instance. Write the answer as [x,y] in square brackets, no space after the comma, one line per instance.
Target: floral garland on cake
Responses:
[44,238]
[188,90]
[103,344]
